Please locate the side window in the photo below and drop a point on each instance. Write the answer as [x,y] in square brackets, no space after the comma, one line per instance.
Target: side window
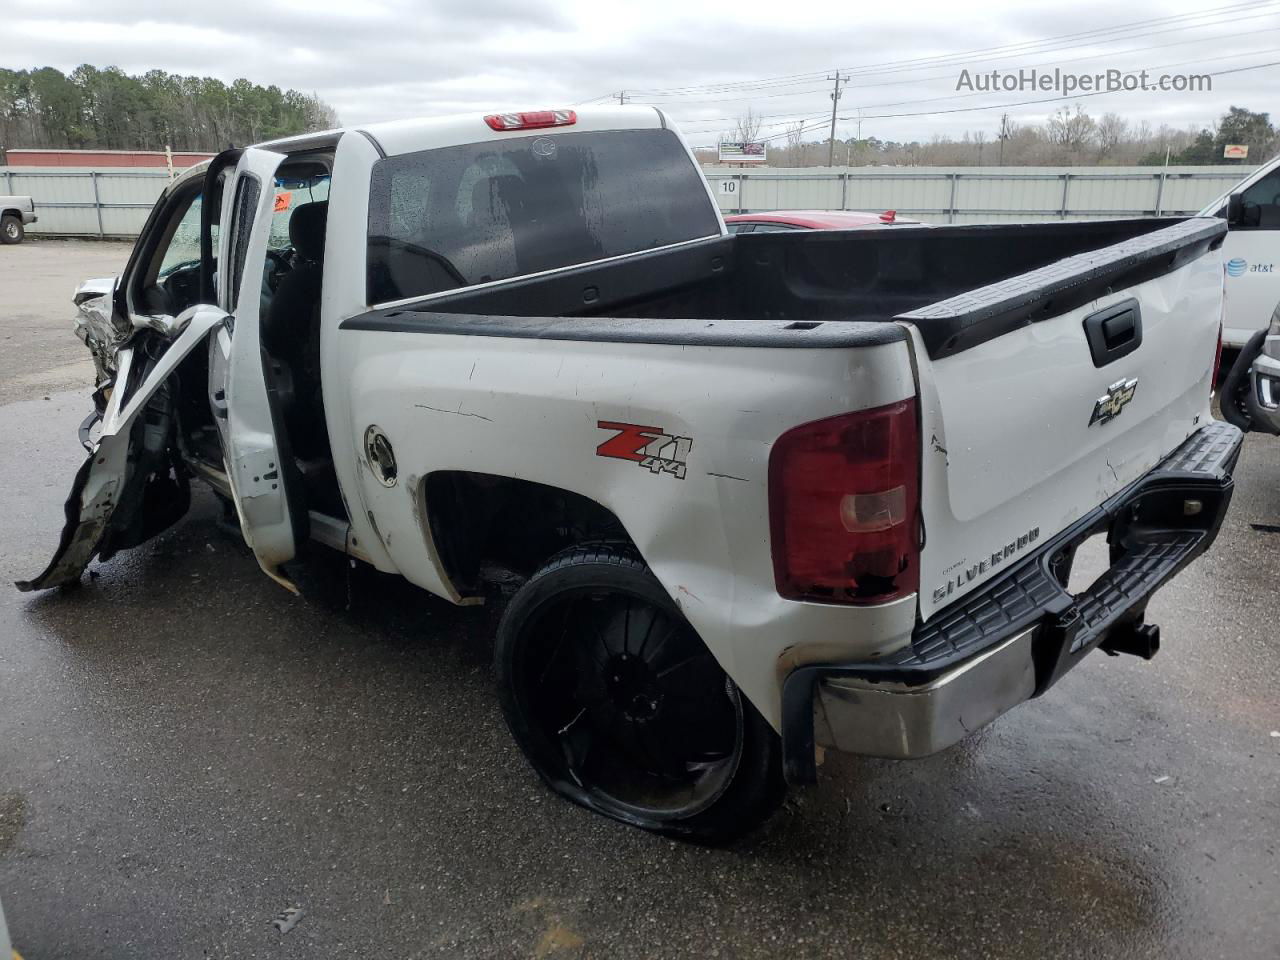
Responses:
[167,278]
[184,244]
[769,227]
[289,195]
[1265,195]
[242,211]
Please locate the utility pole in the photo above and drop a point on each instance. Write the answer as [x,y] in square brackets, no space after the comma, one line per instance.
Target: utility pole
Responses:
[835,98]
[622,96]
[1004,135]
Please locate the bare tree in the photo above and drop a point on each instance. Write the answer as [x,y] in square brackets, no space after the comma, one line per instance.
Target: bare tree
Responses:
[980,141]
[748,127]
[1113,130]
[794,136]
[1071,131]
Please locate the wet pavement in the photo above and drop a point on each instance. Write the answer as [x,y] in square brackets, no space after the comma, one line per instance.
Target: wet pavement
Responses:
[186,750]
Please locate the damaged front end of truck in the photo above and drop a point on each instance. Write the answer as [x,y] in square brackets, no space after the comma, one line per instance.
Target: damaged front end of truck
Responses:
[133,483]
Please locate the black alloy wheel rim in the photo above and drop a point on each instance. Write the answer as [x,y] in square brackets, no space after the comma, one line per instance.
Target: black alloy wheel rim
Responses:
[635,710]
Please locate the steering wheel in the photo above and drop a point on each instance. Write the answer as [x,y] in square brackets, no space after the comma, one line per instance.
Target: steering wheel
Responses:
[283,259]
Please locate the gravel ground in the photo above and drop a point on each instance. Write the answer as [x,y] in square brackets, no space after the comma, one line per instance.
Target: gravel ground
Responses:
[38,353]
[186,750]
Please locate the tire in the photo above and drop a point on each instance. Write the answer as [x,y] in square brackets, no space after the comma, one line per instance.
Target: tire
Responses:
[620,707]
[11,229]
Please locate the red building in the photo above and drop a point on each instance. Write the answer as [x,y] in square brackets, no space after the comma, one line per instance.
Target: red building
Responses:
[100,158]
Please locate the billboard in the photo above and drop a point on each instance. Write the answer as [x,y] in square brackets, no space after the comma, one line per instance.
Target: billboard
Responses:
[1235,151]
[740,153]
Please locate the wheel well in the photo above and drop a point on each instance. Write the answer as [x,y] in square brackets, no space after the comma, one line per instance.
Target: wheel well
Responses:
[11,212]
[487,527]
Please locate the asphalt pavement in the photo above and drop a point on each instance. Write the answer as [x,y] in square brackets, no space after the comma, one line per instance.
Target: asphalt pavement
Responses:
[187,751]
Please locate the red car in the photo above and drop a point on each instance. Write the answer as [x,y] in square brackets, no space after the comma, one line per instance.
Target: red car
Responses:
[810,220]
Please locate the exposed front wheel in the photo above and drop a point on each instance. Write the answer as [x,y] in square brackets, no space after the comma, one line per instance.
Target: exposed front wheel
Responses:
[11,229]
[619,705]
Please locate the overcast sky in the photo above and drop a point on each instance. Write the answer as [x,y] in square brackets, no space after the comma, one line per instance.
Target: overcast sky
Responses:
[384,59]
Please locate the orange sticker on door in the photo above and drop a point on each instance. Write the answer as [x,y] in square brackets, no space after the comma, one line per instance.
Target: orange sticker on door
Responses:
[282,201]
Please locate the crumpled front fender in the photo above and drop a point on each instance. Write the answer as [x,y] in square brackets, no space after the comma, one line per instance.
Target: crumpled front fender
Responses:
[104,477]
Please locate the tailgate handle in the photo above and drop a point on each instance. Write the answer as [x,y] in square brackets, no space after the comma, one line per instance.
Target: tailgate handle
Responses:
[1114,332]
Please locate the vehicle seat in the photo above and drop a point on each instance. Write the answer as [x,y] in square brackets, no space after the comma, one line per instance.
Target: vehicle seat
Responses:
[291,330]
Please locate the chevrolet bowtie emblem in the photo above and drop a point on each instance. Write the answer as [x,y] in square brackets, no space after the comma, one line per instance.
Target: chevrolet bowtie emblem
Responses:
[1118,396]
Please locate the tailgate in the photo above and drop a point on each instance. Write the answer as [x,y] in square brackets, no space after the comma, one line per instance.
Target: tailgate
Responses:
[1027,426]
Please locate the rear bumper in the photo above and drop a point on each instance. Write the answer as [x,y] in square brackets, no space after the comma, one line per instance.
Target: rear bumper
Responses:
[1014,638]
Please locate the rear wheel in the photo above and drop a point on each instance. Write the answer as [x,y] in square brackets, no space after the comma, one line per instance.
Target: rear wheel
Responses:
[620,706]
[11,229]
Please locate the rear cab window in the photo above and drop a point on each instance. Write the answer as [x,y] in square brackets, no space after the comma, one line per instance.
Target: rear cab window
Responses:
[457,216]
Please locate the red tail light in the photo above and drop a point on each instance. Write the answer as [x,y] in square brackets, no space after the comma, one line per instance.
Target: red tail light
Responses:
[889,216]
[844,495]
[531,120]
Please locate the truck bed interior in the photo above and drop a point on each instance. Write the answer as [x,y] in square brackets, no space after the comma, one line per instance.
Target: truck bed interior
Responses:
[811,277]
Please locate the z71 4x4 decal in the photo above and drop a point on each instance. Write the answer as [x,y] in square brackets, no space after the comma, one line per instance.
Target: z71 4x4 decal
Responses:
[650,447]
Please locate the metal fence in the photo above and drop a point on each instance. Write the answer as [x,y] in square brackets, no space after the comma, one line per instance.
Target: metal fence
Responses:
[114,203]
[94,203]
[978,195]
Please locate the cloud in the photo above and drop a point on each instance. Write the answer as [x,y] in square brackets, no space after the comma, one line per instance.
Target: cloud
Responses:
[382,59]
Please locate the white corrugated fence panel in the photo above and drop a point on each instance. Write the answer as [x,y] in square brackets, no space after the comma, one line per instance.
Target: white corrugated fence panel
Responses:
[65,197]
[66,204]
[975,194]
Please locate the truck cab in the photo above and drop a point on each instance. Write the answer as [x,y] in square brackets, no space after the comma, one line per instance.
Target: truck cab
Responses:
[1251,254]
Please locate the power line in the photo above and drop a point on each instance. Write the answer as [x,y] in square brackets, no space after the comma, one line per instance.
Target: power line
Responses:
[1017,103]
[964,59]
[1164,66]
[1072,96]
[1095,34]
[599,99]
[1109,54]
[788,118]
[1022,48]
[962,96]
[1212,39]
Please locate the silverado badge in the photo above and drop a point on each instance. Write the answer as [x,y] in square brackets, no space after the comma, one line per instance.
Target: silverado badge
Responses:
[1118,396]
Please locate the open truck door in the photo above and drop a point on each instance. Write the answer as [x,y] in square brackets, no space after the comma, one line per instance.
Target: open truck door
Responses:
[258,463]
[134,484]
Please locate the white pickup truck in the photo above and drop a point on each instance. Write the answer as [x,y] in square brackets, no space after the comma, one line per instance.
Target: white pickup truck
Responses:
[755,495]
[1251,253]
[15,214]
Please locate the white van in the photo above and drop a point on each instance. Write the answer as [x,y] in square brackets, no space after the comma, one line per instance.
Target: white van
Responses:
[1251,254]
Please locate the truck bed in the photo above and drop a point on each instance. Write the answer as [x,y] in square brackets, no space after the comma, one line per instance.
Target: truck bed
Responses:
[959,285]
[995,318]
